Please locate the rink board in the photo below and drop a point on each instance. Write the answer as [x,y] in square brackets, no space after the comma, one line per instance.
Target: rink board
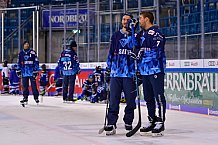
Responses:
[190,85]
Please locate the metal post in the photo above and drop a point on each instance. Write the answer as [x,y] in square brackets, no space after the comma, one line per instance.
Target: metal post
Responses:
[178,29]
[202,29]
[98,28]
[65,26]
[139,6]
[111,25]
[124,6]
[34,30]
[2,36]
[37,31]
[19,29]
[77,27]
[157,13]
[88,14]
[185,46]
[50,33]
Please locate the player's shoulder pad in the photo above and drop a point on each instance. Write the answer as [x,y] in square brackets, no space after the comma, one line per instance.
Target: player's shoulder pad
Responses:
[32,52]
[151,32]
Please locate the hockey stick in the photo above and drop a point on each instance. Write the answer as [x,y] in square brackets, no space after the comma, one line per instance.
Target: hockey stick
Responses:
[137,127]
[44,91]
[106,113]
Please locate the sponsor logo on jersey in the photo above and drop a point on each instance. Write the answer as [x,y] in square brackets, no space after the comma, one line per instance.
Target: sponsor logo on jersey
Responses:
[28,62]
[124,51]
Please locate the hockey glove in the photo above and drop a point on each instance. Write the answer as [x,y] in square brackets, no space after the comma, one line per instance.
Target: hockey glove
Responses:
[35,74]
[18,72]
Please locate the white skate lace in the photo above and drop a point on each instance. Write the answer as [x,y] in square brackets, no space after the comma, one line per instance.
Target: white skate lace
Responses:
[158,125]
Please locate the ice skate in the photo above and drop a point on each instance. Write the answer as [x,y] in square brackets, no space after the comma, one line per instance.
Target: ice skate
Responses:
[110,129]
[37,101]
[24,102]
[158,129]
[148,127]
[128,127]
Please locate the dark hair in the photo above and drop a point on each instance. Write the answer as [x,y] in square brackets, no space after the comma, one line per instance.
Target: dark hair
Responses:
[73,44]
[26,41]
[149,15]
[128,14]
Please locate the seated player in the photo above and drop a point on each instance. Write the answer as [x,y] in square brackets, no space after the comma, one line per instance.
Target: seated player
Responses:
[14,80]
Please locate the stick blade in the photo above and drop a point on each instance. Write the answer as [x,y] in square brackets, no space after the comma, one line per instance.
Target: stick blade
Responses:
[101,130]
[132,132]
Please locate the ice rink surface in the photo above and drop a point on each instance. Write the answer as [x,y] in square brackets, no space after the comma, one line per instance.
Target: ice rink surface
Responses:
[56,123]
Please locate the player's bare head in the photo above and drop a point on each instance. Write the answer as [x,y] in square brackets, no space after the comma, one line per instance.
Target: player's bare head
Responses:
[146,18]
[126,17]
[26,44]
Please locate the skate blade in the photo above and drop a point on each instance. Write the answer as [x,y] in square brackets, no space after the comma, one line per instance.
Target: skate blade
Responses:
[146,133]
[109,133]
[23,105]
[157,134]
[101,130]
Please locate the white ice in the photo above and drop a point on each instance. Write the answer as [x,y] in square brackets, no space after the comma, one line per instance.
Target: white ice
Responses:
[55,123]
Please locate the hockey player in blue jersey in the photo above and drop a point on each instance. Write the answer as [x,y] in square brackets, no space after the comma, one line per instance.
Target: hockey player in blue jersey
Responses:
[28,66]
[121,67]
[88,88]
[43,81]
[58,81]
[69,65]
[14,80]
[100,93]
[151,66]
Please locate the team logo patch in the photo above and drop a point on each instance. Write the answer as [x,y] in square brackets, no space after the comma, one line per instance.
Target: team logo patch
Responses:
[26,57]
[33,52]
[123,42]
[151,32]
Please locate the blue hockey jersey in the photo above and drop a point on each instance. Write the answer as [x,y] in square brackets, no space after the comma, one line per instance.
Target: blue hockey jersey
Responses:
[153,59]
[43,78]
[28,62]
[14,79]
[119,60]
[57,75]
[68,62]
[99,77]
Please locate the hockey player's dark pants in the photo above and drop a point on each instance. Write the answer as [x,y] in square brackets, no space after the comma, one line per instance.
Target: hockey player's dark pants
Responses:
[68,81]
[153,87]
[6,84]
[116,86]
[25,83]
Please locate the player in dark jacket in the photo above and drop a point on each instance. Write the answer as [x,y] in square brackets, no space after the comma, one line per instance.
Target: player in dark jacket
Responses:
[69,66]
[58,81]
[43,80]
[14,80]
[88,88]
[28,66]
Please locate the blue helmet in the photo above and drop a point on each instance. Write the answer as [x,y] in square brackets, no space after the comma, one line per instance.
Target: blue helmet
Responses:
[91,76]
